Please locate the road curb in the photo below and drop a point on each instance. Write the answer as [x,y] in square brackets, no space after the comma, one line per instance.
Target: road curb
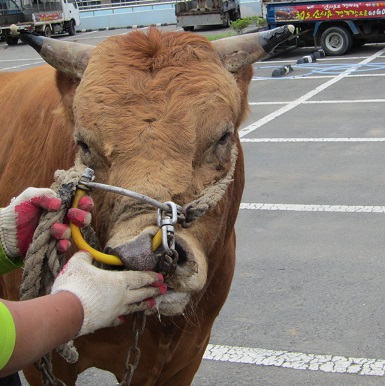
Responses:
[127,27]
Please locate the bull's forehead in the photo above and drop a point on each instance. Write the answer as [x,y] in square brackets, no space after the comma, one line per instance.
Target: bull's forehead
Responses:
[169,87]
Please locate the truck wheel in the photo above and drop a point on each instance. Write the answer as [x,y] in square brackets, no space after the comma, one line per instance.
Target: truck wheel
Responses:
[226,20]
[11,40]
[238,14]
[235,14]
[71,27]
[47,31]
[191,28]
[336,41]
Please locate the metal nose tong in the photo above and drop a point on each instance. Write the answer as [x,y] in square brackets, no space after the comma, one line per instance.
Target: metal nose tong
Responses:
[166,220]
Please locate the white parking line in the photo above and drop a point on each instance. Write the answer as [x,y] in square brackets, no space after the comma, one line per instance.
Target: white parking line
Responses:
[19,60]
[80,36]
[326,59]
[314,208]
[248,129]
[295,360]
[22,65]
[332,101]
[307,77]
[285,140]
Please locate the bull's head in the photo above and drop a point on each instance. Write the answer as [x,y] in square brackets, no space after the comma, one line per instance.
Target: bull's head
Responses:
[158,114]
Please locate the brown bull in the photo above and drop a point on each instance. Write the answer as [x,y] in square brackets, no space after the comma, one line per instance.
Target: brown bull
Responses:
[157,114]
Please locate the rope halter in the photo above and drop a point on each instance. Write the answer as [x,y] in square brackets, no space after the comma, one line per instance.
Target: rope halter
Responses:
[42,263]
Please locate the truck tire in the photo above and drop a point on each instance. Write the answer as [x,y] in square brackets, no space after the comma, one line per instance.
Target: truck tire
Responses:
[190,28]
[238,14]
[226,20]
[336,41]
[11,40]
[235,14]
[71,27]
[47,32]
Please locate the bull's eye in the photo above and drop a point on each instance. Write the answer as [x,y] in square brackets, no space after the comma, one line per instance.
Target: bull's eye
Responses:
[224,139]
[83,145]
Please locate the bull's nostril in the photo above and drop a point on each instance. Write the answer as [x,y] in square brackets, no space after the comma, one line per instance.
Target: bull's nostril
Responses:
[182,254]
[109,251]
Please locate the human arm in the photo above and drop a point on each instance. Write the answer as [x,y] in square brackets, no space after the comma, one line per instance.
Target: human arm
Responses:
[41,324]
[83,299]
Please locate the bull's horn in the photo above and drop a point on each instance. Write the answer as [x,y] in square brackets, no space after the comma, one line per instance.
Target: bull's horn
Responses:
[237,51]
[68,57]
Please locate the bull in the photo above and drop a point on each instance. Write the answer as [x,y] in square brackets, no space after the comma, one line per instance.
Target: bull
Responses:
[156,113]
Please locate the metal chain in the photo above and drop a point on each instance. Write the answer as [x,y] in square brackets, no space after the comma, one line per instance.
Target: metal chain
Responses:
[168,263]
[167,266]
[45,367]
[138,325]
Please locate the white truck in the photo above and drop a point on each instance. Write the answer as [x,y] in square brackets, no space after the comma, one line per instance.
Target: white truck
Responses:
[44,17]
[191,13]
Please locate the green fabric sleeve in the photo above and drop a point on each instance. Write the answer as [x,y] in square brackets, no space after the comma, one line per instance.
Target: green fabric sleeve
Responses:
[7,335]
[8,265]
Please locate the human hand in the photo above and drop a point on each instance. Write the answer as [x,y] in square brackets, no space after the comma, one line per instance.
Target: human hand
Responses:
[18,221]
[107,295]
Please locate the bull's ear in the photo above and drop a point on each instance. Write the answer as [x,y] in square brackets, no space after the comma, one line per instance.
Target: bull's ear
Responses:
[238,51]
[243,77]
[67,86]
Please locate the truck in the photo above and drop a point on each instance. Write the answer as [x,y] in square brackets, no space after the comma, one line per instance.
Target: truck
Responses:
[335,26]
[191,13]
[44,17]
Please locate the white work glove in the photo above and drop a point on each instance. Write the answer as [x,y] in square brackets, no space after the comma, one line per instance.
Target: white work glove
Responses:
[106,295]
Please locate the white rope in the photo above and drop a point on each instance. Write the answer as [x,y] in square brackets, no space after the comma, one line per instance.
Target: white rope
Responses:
[42,263]
[210,196]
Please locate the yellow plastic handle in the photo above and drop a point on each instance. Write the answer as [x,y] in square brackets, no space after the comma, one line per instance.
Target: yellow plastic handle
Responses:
[105,258]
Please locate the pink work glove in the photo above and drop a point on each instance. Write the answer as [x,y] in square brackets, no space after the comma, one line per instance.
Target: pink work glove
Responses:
[20,218]
[80,216]
[107,295]
[18,221]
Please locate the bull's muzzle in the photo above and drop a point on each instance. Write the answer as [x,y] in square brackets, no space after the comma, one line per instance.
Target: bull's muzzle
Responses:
[137,255]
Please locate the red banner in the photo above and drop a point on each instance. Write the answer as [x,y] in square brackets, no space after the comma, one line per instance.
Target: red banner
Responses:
[330,11]
[39,17]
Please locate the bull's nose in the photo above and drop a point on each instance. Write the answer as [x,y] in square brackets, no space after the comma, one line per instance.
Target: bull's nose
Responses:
[136,255]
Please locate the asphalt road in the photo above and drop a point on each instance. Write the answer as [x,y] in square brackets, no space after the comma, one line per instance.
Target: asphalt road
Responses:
[307,301]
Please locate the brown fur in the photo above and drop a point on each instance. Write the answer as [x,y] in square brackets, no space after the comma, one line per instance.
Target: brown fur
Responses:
[152,108]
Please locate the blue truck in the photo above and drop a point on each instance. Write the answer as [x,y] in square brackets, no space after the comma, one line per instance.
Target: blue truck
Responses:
[335,26]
